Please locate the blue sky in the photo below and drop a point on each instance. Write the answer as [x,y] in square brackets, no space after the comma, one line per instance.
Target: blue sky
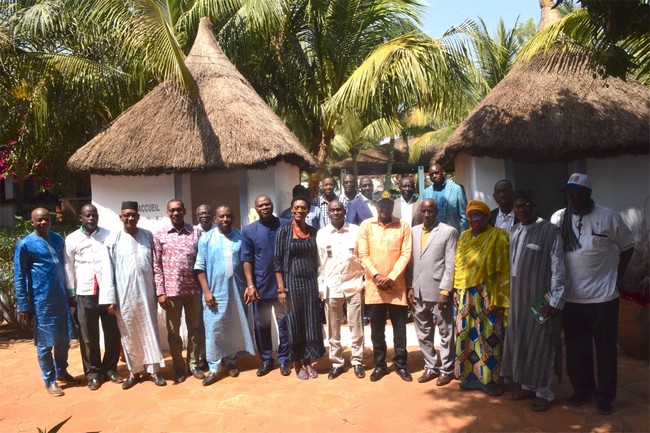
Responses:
[443,14]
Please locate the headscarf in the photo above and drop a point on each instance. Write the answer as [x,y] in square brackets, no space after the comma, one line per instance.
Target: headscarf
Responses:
[479,206]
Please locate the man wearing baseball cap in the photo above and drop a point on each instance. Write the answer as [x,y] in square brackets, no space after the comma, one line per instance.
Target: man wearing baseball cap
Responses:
[597,248]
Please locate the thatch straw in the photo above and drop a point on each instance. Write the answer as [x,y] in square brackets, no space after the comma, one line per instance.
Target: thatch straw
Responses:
[227,126]
[555,108]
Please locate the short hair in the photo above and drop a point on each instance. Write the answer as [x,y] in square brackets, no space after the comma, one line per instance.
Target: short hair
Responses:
[527,195]
[300,198]
[298,190]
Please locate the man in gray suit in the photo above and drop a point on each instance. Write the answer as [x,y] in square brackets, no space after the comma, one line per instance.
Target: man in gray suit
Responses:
[429,278]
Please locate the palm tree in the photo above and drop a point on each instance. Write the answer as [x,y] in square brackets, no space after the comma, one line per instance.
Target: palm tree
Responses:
[614,34]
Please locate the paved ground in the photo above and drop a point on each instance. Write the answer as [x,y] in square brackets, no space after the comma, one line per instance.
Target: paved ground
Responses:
[286,404]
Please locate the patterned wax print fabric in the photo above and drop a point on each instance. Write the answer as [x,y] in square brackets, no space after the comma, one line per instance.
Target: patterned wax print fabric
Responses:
[479,339]
[39,280]
[227,333]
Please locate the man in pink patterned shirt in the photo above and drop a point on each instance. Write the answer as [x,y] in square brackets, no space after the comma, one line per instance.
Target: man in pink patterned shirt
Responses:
[175,248]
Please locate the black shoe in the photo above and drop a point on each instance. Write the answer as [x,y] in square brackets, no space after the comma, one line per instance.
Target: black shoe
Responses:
[233,372]
[405,375]
[130,382]
[359,371]
[335,372]
[378,373]
[577,400]
[210,378]
[197,373]
[428,376]
[444,379]
[68,378]
[265,368]
[94,384]
[285,369]
[179,376]
[604,407]
[158,380]
[115,378]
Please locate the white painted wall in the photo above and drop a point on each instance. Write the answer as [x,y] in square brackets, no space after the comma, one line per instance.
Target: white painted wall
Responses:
[151,192]
[478,176]
[276,182]
[622,184]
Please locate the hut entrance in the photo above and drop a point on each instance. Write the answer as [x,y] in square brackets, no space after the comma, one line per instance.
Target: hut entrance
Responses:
[546,181]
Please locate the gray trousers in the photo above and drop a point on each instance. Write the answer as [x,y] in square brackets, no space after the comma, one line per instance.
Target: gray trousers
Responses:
[427,316]
[334,314]
[193,308]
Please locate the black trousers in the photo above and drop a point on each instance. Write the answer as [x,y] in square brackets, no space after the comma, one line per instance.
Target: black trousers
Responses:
[378,315]
[89,313]
[586,326]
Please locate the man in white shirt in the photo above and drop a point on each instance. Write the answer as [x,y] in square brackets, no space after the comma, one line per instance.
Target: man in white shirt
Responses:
[83,264]
[503,216]
[597,249]
[340,282]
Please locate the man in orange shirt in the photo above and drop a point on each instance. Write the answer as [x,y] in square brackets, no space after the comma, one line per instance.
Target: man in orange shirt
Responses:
[384,246]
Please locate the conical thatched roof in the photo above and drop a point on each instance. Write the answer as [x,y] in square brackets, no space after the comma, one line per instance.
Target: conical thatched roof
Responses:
[555,108]
[228,126]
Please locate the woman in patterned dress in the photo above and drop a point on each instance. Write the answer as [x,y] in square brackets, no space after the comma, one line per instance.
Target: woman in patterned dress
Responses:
[296,269]
[481,293]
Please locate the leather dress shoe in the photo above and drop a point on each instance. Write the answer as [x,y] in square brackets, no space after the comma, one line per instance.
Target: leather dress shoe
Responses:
[359,371]
[335,372]
[378,373]
[604,407]
[197,373]
[285,369]
[130,382]
[179,375]
[428,376]
[444,379]
[94,384]
[264,369]
[577,400]
[68,378]
[115,378]
[158,380]
[233,372]
[210,378]
[405,375]
[54,390]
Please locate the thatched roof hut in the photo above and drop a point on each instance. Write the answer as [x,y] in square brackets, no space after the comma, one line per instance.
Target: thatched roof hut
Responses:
[555,108]
[228,126]
[373,161]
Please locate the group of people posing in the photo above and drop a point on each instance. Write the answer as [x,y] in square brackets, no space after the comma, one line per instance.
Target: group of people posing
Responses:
[498,285]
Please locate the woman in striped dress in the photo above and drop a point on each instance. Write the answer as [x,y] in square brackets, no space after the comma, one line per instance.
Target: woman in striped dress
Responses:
[296,269]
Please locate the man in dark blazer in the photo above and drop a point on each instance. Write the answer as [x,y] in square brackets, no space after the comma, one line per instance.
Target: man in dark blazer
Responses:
[429,279]
[407,207]
[362,206]
[503,216]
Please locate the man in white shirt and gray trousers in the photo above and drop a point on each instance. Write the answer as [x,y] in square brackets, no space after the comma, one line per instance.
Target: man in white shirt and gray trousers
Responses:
[340,281]
[83,264]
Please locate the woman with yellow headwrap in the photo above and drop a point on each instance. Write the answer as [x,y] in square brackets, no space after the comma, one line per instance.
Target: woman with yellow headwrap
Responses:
[482,290]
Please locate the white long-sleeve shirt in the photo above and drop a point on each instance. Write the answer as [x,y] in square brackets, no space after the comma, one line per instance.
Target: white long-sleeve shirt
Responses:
[340,272]
[83,260]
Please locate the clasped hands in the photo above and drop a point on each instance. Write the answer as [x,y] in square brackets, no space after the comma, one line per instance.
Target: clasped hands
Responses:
[382,282]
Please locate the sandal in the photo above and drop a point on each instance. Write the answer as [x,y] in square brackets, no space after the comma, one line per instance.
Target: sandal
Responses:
[313,374]
[303,375]
[521,394]
[540,405]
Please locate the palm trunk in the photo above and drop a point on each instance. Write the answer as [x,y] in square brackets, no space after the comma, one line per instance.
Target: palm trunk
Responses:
[389,164]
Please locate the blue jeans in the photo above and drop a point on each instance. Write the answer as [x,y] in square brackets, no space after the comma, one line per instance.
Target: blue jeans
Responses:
[52,368]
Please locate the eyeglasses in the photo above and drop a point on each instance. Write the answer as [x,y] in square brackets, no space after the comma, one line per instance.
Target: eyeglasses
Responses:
[129,215]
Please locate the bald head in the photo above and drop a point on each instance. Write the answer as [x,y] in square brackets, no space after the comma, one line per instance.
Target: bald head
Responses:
[41,221]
